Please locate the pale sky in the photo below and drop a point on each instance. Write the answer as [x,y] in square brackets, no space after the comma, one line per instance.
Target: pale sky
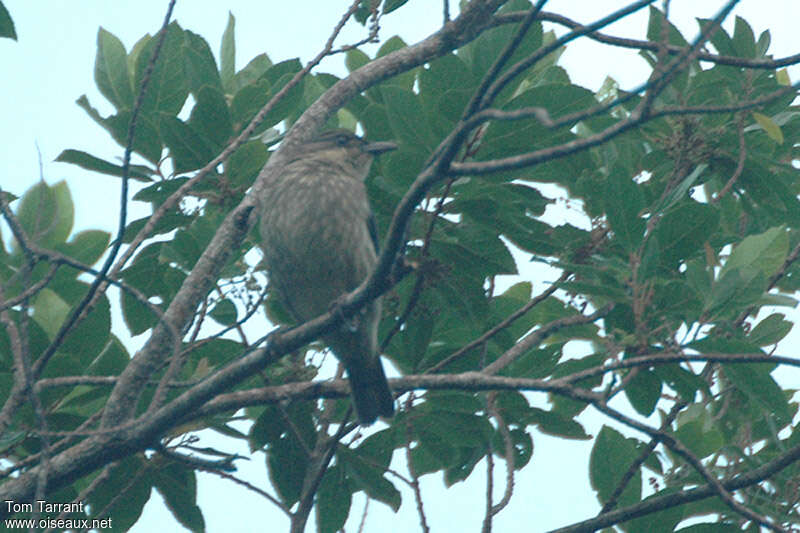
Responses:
[52,64]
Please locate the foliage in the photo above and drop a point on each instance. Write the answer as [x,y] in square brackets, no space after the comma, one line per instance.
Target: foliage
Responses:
[692,229]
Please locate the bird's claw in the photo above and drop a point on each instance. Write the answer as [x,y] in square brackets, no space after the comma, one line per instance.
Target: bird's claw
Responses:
[350,323]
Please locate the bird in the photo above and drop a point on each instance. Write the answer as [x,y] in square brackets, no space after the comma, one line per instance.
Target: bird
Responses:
[319,242]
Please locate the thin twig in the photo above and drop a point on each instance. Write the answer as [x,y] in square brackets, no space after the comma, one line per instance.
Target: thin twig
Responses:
[510,319]
[622,42]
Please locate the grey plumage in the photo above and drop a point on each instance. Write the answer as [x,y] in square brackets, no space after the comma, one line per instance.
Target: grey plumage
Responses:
[318,242]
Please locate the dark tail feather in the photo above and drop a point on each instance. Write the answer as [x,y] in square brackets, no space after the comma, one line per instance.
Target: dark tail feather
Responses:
[370,390]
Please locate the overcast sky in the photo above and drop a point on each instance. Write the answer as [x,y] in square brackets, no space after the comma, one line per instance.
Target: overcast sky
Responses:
[52,64]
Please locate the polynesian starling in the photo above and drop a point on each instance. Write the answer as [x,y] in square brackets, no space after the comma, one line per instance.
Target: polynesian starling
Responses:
[319,243]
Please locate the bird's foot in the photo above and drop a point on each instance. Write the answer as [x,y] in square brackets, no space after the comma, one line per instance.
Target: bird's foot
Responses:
[350,323]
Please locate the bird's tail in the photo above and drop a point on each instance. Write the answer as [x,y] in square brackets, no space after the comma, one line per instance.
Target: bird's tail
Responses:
[370,390]
[356,346]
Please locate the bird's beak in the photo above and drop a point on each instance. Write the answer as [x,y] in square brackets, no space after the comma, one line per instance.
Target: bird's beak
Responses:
[376,148]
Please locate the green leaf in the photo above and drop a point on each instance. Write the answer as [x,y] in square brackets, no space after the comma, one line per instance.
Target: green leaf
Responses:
[744,41]
[287,468]
[268,427]
[441,76]
[769,126]
[611,456]
[278,71]
[623,203]
[755,381]
[369,478]
[227,53]
[453,402]
[681,380]
[290,101]
[160,191]
[46,213]
[762,45]
[168,86]
[483,51]
[123,493]
[379,447]
[354,59]
[509,137]
[425,461]
[681,190]
[178,486]
[534,363]
[64,216]
[763,253]
[111,361]
[201,68]
[136,49]
[476,251]
[152,278]
[663,521]
[404,80]
[49,311]
[710,527]
[655,31]
[770,330]
[245,163]
[697,431]
[147,141]
[777,300]
[183,249]
[333,501]
[392,44]
[250,99]
[189,150]
[644,391]
[224,312]
[522,447]
[211,118]
[90,162]
[391,5]
[169,222]
[218,352]
[684,229]
[460,429]
[250,73]
[137,316]
[465,461]
[719,38]
[407,118]
[6,24]
[716,343]
[554,423]
[91,334]
[735,289]
[111,70]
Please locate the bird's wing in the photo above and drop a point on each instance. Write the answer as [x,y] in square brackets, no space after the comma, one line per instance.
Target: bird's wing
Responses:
[373,232]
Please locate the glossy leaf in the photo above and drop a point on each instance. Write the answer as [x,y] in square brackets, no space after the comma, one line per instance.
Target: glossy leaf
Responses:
[227,53]
[46,213]
[333,501]
[611,455]
[90,162]
[111,70]
[623,203]
[6,24]
[177,485]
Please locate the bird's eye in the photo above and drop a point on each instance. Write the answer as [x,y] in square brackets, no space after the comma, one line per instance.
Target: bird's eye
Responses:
[341,140]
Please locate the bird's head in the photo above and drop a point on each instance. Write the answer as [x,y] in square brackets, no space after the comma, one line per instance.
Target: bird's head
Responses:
[343,148]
